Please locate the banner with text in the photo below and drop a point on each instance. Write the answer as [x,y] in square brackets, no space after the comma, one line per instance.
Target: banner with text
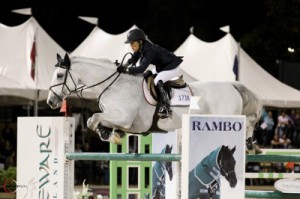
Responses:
[213,156]
[43,171]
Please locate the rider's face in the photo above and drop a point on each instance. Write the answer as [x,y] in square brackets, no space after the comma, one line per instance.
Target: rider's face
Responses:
[135,46]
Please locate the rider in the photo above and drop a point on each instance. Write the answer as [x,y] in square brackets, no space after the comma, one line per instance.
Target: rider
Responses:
[166,65]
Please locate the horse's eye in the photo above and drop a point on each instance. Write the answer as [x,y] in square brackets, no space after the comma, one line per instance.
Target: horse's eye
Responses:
[60,75]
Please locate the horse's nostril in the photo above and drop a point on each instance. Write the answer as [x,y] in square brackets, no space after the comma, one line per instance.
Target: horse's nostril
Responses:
[50,102]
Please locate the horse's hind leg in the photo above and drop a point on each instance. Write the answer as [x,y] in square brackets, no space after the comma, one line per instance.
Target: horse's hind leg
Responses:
[252,147]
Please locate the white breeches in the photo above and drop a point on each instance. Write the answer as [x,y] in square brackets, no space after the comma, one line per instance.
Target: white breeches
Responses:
[166,75]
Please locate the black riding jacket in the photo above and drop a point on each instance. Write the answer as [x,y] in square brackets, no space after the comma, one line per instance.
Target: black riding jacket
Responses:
[153,54]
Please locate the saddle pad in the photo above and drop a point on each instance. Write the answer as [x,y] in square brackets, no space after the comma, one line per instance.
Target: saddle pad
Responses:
[179,96]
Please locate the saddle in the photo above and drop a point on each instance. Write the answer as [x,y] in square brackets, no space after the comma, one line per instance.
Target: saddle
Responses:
[178,91]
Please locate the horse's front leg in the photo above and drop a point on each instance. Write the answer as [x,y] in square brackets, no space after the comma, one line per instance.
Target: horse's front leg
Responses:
[106,134]
[105,127]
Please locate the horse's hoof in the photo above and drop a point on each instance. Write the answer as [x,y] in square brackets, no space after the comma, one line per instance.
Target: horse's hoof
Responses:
[250,152]
[257,150]
[115,139]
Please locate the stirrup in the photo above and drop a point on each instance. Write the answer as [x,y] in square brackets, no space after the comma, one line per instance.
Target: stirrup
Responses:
[163,112]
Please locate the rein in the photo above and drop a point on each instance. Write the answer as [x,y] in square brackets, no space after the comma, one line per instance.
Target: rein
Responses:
[87,87]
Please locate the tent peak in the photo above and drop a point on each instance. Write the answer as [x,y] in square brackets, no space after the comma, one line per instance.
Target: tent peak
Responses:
[192,29]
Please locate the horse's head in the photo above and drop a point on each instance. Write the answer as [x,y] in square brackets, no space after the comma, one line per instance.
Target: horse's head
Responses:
[227,165]
[60,86]
[168,164]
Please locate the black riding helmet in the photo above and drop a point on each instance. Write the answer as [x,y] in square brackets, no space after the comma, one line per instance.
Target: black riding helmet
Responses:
[135,35]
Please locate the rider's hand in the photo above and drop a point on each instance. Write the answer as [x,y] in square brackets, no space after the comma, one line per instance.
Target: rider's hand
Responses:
[121,69]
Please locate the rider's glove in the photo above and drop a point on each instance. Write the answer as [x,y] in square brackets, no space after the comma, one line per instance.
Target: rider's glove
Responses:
[121,69]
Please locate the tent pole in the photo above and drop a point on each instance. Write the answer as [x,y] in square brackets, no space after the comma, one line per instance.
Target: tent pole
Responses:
[37,91]
[239,63]
[36,102]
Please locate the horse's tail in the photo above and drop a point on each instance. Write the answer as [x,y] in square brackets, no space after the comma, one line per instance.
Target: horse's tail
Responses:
[252,104]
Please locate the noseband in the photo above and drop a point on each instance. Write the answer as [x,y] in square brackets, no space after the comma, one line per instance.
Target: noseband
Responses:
[64,84]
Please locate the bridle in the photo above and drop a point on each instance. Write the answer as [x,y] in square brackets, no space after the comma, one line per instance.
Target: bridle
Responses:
[79,90]
[226,173]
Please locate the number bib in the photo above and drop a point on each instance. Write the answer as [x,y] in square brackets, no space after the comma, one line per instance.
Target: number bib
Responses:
[180,97]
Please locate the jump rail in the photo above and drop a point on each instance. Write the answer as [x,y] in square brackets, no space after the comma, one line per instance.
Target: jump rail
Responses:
[171,157]
[264,175]
[273,158]
[124,156]
[270,194]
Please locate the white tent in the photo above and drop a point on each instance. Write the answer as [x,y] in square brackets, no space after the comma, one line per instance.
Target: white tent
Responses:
[214,62]
[272,91]
[100,44]
[208,61]
[28,56]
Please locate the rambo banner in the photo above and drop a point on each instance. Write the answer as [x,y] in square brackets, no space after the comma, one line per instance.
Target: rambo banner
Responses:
[213,156]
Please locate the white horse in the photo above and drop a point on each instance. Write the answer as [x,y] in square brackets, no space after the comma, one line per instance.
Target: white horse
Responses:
[123,104]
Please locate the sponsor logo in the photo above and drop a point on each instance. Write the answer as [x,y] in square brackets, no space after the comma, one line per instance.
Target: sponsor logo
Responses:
[216,126]
[10,186]
[288,185]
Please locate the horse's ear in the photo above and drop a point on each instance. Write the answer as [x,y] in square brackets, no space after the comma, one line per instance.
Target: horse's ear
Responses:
[169,147]
[58,57]
[67,62]
[59,60]
[233,150]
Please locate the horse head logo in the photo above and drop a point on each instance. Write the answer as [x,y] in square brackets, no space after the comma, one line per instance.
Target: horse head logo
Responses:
[205,176]
[227,165]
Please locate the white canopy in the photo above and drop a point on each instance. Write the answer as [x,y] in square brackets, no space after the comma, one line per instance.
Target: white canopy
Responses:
[26,49]
[208,61]
[100,44]
[272,91]
[214,61]
[203,61]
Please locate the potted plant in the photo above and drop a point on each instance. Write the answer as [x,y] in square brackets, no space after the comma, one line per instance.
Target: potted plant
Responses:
[8,182]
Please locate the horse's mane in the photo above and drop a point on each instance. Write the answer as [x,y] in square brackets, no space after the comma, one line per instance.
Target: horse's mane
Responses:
[91,61]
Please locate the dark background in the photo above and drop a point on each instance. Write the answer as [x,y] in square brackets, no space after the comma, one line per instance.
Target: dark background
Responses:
[264,28]
[167,22]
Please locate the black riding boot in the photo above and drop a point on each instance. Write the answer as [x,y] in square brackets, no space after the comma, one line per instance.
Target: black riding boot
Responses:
[164,109]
